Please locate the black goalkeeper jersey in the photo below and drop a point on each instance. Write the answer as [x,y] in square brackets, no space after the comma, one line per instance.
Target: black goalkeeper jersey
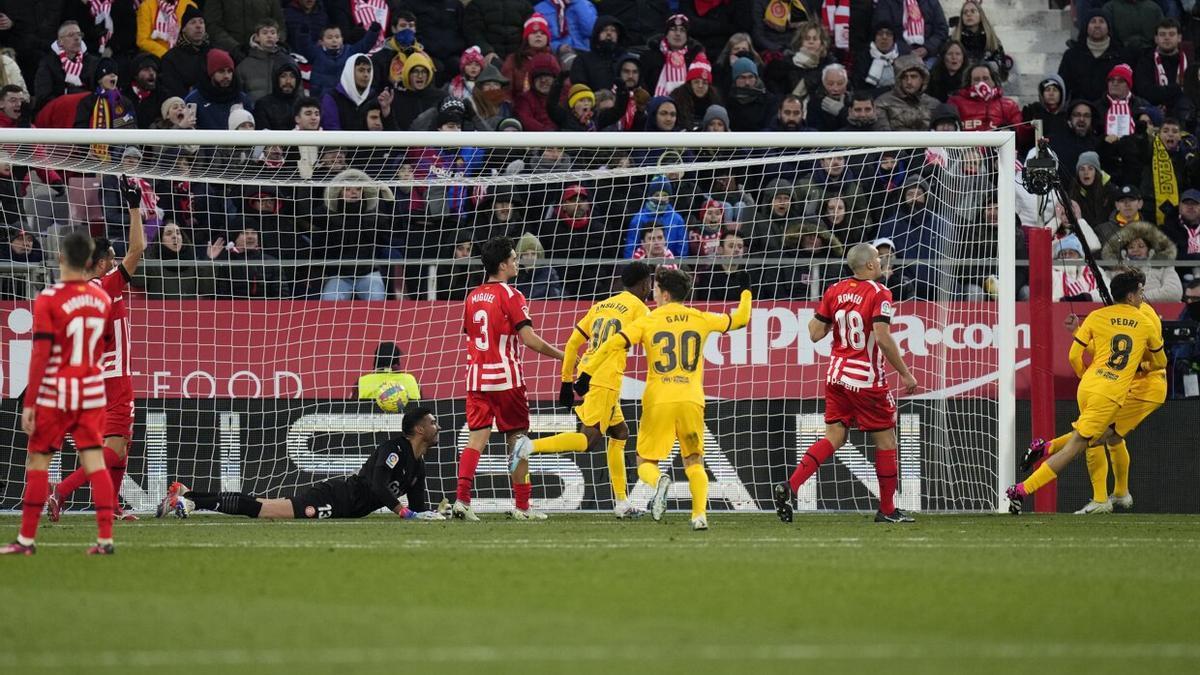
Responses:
[389,473]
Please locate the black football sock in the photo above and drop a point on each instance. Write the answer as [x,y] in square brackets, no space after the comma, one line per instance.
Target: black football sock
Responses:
[231,503]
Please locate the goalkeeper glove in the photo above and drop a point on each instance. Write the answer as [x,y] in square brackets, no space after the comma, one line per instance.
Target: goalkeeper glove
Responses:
[583,383]
[566,395]
[431,516]
[131,192]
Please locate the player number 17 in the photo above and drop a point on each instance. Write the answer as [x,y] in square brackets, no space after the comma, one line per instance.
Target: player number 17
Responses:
[850,328]
[76,328]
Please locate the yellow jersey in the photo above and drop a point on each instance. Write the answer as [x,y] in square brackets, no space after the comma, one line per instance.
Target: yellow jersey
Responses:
[1150,385]
[370,384]
[673,336]
[605,319]
[1119,336]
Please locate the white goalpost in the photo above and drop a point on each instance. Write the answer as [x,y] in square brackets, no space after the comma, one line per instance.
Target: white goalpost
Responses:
[283,266]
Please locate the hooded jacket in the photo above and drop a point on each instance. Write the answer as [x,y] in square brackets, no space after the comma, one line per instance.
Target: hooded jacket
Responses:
[767,228]
[351,230]
[803,281]
[441,23]
[257,70]
[661,215]
[1162,283]
[327,66]
[213,104]
[530,106]
[908,112]
[277,110]
[147,104]
[1083,73]
[184,66]
[346,107]
[409,102]
[598,68]
[1054,122]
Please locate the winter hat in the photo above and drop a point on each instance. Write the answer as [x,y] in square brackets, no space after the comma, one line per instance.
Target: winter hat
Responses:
[677,20]
[915,180]
[535,23]
[470,55]
[580,92]
[192,12]
[1123,72]
[1153,112]
[218,59]
[1088,158]
[451,110]
[1068,243]
[491,73]
[700,69]
[106,66]
[742,66]
[166,105]
[1053,80]
[715,112]
[574,191]
[708,204]
[543,64]
[945,112]
[884,241]
[510,123]
[239,117]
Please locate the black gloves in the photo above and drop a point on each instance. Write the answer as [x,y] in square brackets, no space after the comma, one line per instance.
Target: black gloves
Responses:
[583,383]
[566,395]
[131,193]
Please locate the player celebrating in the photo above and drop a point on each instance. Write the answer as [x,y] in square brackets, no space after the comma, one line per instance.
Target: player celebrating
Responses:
[118,380]
[496,318]
[600,412]
[673,336]
[856,388]
[1120,337]
[1147,393]
[396,468]
[65,394]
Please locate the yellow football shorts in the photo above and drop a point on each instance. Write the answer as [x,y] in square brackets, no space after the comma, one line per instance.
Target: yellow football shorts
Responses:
[1131,415]
[1096,413]
[601,407]
[664,423]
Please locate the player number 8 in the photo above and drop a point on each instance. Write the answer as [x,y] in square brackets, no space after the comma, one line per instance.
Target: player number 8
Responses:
[850,328]
[1121,347]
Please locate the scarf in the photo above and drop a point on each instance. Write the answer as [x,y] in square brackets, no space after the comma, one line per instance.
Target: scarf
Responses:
[1076,280]
[367,12]
[1193,237]
[166,23]
[914,23]
[702,242]
[674,70]
[982,91]
[102,12]
[1098,47]
[149,199]
[779,13]
[573,223]
[802,59]
[102,111]
[72,67]
[1119,119]
[626,121]
[640,253]
[1166,188]
[837,21]
[881,73]
[1162,72]
[560,6]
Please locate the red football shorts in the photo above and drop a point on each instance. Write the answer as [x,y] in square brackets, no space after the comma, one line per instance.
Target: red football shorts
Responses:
[508,409]
[866,409]
[52,424]
[118,419]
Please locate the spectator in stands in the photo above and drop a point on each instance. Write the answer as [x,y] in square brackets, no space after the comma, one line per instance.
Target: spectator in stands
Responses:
[907,107]
[537,281]
[1128,202]
[143,90]
[27,28]
[13,108]
[658,211]
[257,277]
[1118,114]
[105,107]
[345,107]
[693,97]
[832,177]
[1081,134]
[799,69]
[535,41]
[489,99]
[661,115]
[919,232]
[416,93]
[185,65]
[921,25]
[1134,23]
[579,113]
[1050,108]
[217,95]
[1138,243]
[947,75]
[716,118]
[10,72]
[1071,280]
[629,78]
[862,115]
[724,281]
[159,23]
[665,62]
[1095,53]
[470,67]
[789,116]
[982,103]
[66,69]
[178,278]
[22,247]
[739,45]
[389,59]
[571,23]
[804,279]
[598,68]
[497,26]
[531,106]
[232,22]
[876,68]
[570,230]
[1061,226]
[1180,152]
[750,105]
[352,229]
[775,22]
[980,40]
[1089,189]
[305,19]
[328,56]
[654,245]
[277,109]
[704,233]
[828,106]
[500,214]
[1159,75]
[441,31]
[1183,227]
[453,281]
[778,209]
[264,56]
[176,115]
[850,227]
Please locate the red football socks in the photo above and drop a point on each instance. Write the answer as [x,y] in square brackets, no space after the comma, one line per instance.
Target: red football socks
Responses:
[116,470]
[521,492]
[467,463]
[885,471]
[71,483]
[817,452]
[102,497]
[37,489]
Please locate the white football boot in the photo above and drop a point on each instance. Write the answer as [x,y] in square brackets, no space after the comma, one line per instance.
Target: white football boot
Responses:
[1095,507]
[463,511]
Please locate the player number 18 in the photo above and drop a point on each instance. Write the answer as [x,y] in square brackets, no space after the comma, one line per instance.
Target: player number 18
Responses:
[850,328]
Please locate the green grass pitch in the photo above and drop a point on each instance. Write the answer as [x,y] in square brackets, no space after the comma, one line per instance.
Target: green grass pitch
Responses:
[586,593]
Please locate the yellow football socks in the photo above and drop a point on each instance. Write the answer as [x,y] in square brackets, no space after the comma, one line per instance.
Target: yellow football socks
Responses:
[648,472]
[1040,477]
[1119,453]
[1058,443]
[616,468]
[1097,466]
[569,442]
[698,482]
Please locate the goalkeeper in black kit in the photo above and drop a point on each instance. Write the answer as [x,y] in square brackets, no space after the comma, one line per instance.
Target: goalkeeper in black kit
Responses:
[396,468]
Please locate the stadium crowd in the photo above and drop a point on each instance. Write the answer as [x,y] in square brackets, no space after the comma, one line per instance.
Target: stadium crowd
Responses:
[1120,113]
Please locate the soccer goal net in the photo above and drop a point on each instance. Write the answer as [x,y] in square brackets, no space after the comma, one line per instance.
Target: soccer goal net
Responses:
[283,267]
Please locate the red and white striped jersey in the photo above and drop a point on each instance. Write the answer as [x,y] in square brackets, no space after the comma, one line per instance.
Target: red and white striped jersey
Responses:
[70,318]
[494,313]
[853,306]
[115,362]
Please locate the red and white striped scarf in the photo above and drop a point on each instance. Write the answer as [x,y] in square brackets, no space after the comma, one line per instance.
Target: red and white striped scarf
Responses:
[166,23]
[102,12]
[640,253]
[837,21]
[914,23]
[1077,283]
[72,67]
[674,71]
[1119,119]
[1162,72]
[367,12]
[149,199]
[1193,234]
[560,7]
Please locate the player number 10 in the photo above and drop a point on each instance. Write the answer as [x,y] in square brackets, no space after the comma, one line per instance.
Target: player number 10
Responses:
[850,328]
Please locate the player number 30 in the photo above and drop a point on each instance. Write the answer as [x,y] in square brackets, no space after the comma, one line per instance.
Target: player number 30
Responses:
[850,328]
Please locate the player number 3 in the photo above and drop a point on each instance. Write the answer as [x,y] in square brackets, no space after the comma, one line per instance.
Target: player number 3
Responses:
[850,328]
[480,318]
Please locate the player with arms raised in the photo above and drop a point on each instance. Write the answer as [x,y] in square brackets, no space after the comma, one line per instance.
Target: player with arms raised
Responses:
[1120,338]
[600,412]
[858,311]
[113,279]
[673,336]
[65,394]
[496,322]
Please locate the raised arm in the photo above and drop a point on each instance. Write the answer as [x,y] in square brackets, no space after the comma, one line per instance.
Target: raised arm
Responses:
[883,338]
[741,316]
[137,232]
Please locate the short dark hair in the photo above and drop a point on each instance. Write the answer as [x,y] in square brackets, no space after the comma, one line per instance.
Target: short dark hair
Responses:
[862,95]
[1125,283]
[305,102]
[676,283]
[404,14]
[635,273]
[412,417]
[76,247]
[332,26]
[791,98]
[100,252]
[265,23]
[1194,283]
[1168,22]
[1170,120]
[11,89]
[494,252]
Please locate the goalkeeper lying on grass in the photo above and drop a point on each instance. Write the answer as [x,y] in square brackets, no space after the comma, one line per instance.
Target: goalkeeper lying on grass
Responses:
[395,468]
